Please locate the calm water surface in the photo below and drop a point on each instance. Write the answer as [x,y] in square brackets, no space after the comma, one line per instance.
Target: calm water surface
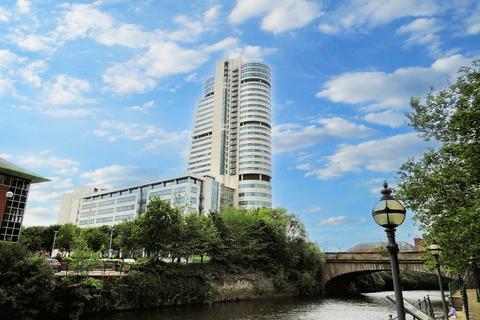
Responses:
[371,306]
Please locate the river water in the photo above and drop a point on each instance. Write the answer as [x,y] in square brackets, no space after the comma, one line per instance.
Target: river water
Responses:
[371,306]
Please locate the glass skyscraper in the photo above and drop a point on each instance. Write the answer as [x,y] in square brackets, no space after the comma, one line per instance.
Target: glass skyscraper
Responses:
[231,136]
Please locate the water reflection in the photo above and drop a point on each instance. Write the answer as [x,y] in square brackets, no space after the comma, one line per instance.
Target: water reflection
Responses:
[370,306]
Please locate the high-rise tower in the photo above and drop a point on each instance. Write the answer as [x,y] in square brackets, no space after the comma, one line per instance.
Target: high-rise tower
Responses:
[231,137]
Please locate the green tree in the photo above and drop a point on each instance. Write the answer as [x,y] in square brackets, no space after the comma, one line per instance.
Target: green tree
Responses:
[443,186]
[127,238]
[38,239]
[83,257]
[97,239]
[198,235]
[66,237]
[158,228]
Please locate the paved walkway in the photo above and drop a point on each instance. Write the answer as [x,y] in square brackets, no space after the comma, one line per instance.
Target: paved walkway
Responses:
[473,305]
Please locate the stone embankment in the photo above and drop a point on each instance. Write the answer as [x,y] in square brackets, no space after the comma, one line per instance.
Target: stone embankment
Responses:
[249,286]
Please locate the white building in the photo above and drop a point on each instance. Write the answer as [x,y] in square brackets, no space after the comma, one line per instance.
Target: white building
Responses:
[93,207]
[231,136]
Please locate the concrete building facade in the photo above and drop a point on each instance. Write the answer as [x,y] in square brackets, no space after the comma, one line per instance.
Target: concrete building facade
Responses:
[94,207]
[231,136]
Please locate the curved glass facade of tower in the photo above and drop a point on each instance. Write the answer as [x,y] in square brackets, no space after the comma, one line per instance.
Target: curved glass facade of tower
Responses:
[231,137]
[255,140]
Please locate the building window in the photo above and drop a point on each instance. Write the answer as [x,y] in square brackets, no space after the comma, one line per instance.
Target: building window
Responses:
[106,203]
[105,211]
[107,219]
[124,217]
[125,208]
[126,199]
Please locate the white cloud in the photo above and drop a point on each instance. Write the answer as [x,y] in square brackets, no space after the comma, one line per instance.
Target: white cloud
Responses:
[67,112]
[472,23]
[375,90]
[30,73]
[8,59]
[127,78]
[81,20]
[127,35]
[166,58]
[423,31]
[388,118]
[155,138]
[40,215]
[4,15]
[251,53]
[23,6]
[290,137]
[44,160]
[5,85]
[337,220]
[315,209]
[67,90]
[192,77]
[278,16]
[146,107]
[115,175]
[32,42]
[382,155]
[212,15]
[360,15]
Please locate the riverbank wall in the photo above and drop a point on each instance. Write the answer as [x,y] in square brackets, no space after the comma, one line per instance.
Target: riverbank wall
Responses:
[139,290]
[250,286]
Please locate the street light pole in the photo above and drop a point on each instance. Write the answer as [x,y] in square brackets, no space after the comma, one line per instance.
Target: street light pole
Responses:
[435,250]
[389,214]
[397,287]
[475,277]
[110,245]
[53,244]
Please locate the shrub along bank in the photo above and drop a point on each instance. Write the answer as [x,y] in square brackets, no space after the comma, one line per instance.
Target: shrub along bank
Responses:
[268,243]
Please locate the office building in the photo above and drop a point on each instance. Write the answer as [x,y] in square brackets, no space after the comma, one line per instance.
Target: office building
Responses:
[14,186]
[94,207]
[231,136]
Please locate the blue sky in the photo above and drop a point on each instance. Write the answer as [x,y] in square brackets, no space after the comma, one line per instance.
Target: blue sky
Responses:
[104,93]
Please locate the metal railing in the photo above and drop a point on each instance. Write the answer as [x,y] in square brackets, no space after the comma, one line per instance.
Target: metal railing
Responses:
[426,305]
[459,286]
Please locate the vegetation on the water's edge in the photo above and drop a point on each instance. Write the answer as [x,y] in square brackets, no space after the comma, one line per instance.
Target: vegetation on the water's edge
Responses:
[443,186]
[270,242]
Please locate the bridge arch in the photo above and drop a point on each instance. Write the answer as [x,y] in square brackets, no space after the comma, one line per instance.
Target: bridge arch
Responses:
[340,264]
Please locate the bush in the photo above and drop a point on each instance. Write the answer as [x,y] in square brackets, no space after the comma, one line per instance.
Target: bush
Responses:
[76,295]
[26,283]
[307,284]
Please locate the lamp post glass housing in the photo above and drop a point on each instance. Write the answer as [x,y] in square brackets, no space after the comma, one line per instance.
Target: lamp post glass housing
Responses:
[389,213]
[434,249]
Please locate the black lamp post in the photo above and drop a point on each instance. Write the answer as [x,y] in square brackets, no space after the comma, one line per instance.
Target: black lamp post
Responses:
[435,251]
[389,213]
[475,276]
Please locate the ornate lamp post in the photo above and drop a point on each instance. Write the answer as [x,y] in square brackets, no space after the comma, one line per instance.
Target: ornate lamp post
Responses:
[475,276]
[435,251]
[389,213]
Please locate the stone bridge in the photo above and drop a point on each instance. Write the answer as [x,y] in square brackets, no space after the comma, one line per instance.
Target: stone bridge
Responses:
[344,263]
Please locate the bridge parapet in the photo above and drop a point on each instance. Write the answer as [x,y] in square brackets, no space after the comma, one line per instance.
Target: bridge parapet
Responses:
[370,256]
